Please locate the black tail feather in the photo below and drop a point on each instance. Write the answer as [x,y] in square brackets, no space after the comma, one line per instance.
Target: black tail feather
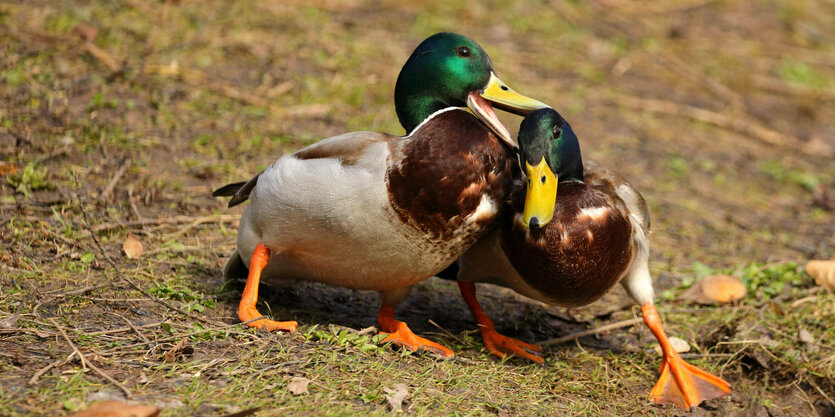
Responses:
[228,190]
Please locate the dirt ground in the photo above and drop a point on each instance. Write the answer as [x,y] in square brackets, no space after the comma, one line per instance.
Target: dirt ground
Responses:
[119,118]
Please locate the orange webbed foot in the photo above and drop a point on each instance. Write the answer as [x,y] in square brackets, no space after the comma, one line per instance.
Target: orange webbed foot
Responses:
[400,334]
[495,342]
[246,309]
[247,314]
[501,346]
[685,385]
[680,383]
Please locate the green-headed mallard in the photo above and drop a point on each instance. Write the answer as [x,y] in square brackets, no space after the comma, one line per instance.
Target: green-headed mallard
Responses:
[374,211]
[569,248]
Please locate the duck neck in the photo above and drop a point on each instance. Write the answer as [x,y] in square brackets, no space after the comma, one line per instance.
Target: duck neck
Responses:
[414,109]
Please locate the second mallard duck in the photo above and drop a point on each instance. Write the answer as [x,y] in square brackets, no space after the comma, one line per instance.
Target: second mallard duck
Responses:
[569,247]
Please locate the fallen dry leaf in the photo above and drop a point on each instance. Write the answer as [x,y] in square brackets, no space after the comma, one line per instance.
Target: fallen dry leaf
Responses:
[823,272]
[679,345]
[712,289]
[86,32]
[7,168]
[118,409]
[396,396]
[10,322]
[298,385]
[132,247]
[180,349]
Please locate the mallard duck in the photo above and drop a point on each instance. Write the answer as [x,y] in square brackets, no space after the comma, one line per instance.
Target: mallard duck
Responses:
[374,211]
[569,247]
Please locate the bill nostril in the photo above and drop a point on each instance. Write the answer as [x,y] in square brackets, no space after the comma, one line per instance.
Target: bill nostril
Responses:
[534,223]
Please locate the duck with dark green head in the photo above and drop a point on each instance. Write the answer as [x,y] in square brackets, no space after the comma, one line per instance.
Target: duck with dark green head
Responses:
[374,211]
[570,232]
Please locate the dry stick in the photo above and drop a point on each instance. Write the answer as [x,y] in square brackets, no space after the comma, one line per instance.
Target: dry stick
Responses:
[85,362]
[189,334]
[133,207]
[782,87]
[115,180]
[124,277]
[742,125]
[66,294]
[34,379]
[122,329]
[102,56]
[596,330]
[173,220]
[828,398]
[141,336]
[714,86]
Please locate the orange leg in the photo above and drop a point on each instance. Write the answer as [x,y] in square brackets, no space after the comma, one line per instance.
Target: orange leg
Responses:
[400,334]
[680,383]
[496,343]
[246,309]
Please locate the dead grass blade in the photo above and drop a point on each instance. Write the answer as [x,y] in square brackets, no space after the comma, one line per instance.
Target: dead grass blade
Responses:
[85,363]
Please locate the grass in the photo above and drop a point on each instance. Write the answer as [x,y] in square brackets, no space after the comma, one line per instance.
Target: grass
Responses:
[212,92]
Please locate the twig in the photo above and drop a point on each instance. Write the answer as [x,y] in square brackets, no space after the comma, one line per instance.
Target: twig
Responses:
[115,180]
[85,363]
[712,85]
[34,379]
[828,398]
[806,397]
[740,124]
[596,330]
[446,332]
[779,86]
[104,57]
[133,207]
[135,330]
[123,277]
[173,220]
[65,294]
[122,329]
[366,330]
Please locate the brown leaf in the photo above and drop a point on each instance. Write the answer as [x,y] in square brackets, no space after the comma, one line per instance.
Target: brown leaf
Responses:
[823,272]
[180,349]
[298,385]
[10,322]
[712,289]
[7,168]
[86,32]
[118,409]
[132,247]
[396,396]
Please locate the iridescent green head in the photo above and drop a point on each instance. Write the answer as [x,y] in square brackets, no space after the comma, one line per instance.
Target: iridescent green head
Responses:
[451,70]
[549,153]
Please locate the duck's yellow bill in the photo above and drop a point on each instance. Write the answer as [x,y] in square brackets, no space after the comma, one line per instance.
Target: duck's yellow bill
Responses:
[508,100]
[541,197]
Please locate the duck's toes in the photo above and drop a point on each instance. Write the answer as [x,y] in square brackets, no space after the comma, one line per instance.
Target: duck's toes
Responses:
[401,335]
[250,315]
[501,345]
[685,385]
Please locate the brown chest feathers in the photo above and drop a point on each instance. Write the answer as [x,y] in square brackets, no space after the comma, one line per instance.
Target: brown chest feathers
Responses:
[447,166]
[580,254]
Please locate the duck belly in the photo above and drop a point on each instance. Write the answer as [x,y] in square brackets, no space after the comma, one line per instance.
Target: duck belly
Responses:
[327,222]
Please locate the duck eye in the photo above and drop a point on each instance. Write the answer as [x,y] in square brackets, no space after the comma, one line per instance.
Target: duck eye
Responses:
[463,51]
[557,131]
[542,180]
